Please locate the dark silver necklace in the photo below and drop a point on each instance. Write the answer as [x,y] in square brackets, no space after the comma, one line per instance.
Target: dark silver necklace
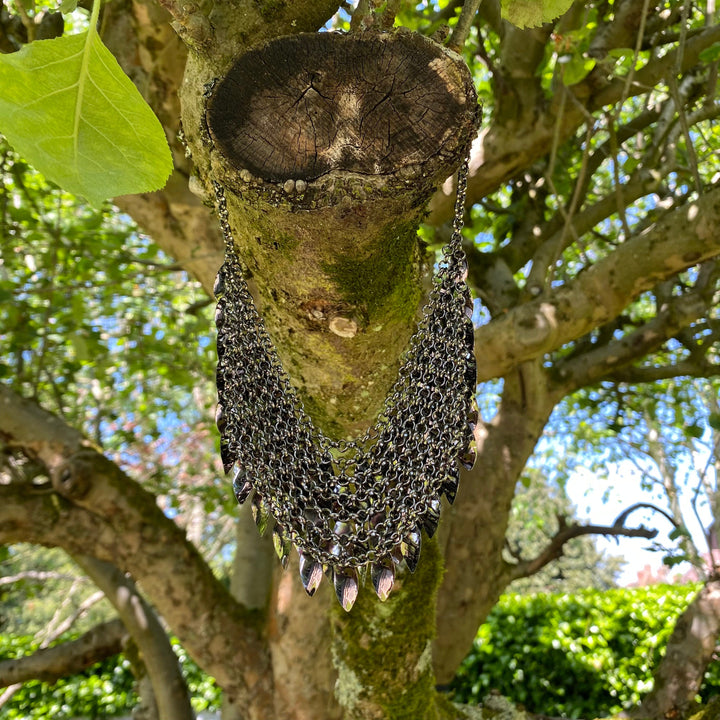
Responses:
[349,505]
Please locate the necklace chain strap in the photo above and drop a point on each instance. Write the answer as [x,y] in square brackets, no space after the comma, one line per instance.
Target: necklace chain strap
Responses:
[348,505]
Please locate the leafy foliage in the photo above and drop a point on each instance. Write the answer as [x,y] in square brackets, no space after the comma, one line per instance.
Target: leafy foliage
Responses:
[525,13]
[47,589]
[585,655]
[663,433]
[103,690]
[582,655]
[88,303]
[100,327]
[73,113]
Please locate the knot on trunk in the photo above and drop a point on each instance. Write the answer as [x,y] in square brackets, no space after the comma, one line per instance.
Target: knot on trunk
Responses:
[75,477]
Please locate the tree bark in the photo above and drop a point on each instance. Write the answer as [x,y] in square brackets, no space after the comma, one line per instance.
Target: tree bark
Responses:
[472,532]
[689,650]
[680,240]
[300,636]
[325,212]
[168,684]
[74,656]
[93,504]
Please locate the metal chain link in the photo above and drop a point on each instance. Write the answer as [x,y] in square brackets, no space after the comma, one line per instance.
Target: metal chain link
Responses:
[348,505]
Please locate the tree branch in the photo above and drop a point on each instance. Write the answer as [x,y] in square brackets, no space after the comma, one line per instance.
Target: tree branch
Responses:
[36,576]
[679,59]
[50,664]
[610,359]
[508,147]
[625,514]
[95,505]
[638,375]
[57,627]
[640,184]
[168,684]
[565,533]
[464,23]
[679,240]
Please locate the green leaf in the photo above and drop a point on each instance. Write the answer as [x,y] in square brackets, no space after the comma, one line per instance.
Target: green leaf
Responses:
[711,54]
[533,13]
[621,52]
[576,68]
[69,109]
[714,421]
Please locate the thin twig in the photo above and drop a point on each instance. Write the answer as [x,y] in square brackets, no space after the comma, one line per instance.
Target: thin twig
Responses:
[544,272]
[614,152]
[631,73]
[623,516]
[36,575]
[675,93]
[51,633]
[27,21]
[463,25]
[361,12]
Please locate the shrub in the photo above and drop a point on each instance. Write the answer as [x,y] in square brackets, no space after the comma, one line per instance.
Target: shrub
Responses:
[590,654]
[102,691]
[585,655]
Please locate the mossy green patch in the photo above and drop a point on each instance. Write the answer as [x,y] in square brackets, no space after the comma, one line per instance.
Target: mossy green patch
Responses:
[386,277]
[711,711]
[382,650]
[316,410]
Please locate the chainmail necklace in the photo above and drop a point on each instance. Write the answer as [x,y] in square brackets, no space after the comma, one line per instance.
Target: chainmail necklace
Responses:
[349,506]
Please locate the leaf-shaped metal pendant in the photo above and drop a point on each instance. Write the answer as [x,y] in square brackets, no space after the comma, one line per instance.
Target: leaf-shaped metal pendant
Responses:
[410,549]
[259,513]
[383,579]
[282,545]
[449,485]
[432,517]
[467,458]
[346,587]
[311,573]
[241,487]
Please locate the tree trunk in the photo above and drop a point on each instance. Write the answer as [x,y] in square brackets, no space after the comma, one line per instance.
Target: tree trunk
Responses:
[93,504]
[473,531]
[300,637]
[325,217]
[168,684]
[689,650]
[325,209]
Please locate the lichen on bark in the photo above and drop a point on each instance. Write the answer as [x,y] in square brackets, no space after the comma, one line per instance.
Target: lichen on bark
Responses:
[332,235]
[327,167]
[379,677]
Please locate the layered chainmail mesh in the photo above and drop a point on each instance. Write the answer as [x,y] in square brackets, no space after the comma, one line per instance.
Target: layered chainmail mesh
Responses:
[349,505]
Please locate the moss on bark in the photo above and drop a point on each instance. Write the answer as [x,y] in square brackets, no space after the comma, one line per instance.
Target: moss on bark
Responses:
[711,711]
[378,676]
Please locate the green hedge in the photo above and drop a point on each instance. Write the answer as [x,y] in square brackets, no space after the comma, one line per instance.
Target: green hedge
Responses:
[104,690]
[590,654]
[585,655]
